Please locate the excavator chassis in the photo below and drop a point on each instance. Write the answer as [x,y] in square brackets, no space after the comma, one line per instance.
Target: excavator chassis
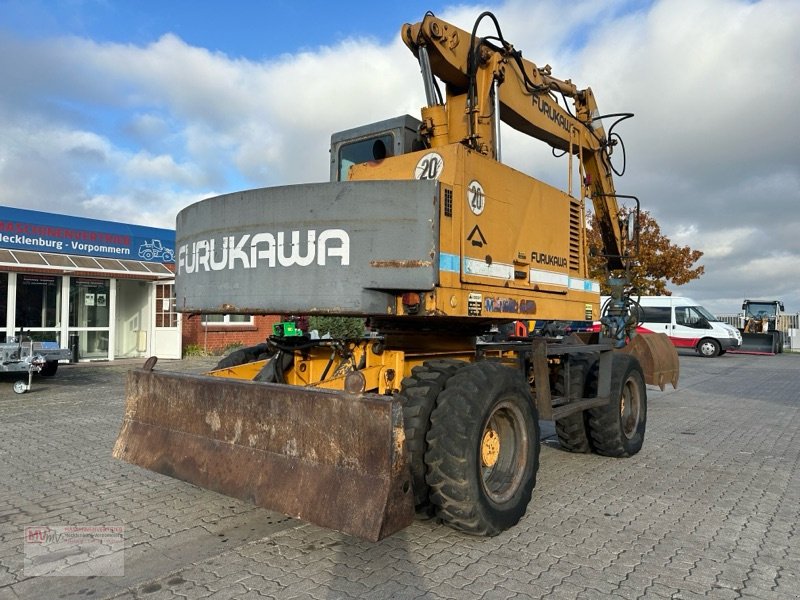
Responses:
[335,458]
[329,457]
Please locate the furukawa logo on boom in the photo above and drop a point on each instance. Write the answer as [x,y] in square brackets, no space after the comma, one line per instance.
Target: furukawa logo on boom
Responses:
[264,249]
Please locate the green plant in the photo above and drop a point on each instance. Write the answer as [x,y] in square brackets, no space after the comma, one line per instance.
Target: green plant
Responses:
[193,350]
[338,327]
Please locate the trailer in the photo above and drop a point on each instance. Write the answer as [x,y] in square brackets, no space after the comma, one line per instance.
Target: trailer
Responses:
[22,354]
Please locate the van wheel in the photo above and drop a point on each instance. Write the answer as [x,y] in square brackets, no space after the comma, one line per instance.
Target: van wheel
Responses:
[708,348]
[483,449]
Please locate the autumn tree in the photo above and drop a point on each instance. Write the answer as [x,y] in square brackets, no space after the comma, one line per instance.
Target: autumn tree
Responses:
[658,260]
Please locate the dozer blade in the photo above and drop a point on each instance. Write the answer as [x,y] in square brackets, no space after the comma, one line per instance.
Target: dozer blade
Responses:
[658,357]
[332,458]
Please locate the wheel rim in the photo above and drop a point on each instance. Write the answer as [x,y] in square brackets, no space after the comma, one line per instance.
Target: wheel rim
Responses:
[503,452]
[707,348]
[630,408]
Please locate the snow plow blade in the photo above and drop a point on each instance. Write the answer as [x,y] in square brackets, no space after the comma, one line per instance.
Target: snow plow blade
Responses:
[331,458]
[658,358]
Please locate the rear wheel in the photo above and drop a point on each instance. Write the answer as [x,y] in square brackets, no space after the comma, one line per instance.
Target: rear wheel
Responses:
[483,449]
[418,393]
[708,348]
[618,428]
[573,431]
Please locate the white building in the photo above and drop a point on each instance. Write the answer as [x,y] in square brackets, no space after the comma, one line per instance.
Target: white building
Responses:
[103,289]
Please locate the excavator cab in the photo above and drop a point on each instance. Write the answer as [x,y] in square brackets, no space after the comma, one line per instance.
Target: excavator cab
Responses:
[373,142]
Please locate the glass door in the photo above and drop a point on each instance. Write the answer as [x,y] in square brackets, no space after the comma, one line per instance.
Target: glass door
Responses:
[89,316]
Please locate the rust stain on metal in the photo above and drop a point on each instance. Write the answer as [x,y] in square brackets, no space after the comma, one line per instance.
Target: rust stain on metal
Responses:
[400,264]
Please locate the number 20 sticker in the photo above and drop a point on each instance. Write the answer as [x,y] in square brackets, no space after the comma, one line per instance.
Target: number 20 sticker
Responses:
[429,166]
[476,199]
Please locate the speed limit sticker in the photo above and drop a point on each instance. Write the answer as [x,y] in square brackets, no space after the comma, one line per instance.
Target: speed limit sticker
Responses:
[429,166]
[476,199]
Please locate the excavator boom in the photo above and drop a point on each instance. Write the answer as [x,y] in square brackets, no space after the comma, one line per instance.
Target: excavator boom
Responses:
[477,70]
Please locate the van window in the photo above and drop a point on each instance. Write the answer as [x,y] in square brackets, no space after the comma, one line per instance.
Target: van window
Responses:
[655,314]
[692,316]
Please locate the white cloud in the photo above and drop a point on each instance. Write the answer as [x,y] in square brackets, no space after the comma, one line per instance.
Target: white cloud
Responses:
[134,133]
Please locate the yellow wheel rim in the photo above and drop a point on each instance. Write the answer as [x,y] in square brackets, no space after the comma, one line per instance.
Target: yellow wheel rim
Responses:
[490,447]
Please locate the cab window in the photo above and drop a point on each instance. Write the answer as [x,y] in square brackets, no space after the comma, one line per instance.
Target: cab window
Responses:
[375,148]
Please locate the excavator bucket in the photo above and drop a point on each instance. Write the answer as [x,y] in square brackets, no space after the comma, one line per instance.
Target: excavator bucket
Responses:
[658,358]
[331,458]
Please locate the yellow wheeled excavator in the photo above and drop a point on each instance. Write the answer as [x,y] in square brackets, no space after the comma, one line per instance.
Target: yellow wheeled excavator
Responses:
[424,231]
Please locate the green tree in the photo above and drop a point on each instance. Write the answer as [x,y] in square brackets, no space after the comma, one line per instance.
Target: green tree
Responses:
[659,260]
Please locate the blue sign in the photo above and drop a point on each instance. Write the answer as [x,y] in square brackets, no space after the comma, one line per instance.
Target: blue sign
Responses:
[47,232]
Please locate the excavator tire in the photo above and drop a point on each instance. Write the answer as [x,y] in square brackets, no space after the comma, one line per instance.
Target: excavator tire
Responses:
[573,431]
[483,449]
[418,395]
[243,355]
[617,429]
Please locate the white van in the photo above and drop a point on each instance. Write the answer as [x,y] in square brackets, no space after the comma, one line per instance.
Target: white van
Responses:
[687,324]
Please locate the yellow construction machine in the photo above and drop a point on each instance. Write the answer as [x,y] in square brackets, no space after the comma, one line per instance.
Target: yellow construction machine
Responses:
[762,332]
[424,231]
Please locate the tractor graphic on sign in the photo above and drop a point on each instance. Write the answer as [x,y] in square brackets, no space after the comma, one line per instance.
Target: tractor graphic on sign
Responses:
[154,249]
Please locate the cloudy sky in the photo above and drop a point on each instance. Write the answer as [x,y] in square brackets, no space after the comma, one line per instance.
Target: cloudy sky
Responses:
[129,110]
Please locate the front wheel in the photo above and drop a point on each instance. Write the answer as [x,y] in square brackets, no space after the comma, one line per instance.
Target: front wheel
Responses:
[483,449]
[708,348]
[618,428]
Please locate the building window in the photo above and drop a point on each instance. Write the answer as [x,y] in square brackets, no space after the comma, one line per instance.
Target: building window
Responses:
[38,301]
[214,320]
[166,313]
